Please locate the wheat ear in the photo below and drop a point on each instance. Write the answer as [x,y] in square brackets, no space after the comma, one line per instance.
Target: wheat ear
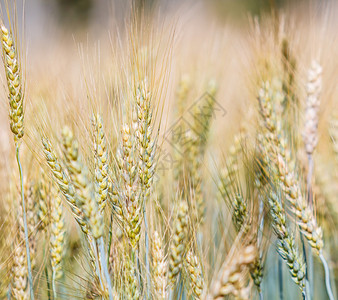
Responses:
[86,200]
[56,239]
[178,244]
[16,115]
[101,162]
[159,267]
[19,268]
[31,222]
[232,277]
[304,216]
[128,192]
[313,89]
[286,244]
[14,83]
[83,187]
[43,203]
[147,149]
[64,184]
[194,271]
[310,136]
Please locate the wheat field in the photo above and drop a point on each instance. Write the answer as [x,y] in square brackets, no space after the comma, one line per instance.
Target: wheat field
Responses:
[169,151]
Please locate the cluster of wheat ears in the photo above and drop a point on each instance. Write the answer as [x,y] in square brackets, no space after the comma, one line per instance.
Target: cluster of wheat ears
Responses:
[87,213]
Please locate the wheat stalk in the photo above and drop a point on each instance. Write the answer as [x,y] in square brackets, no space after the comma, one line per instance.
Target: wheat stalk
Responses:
[86,200]
[16,114]
[305,219]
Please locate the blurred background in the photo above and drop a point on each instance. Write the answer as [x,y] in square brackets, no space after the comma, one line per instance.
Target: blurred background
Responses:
[78,16]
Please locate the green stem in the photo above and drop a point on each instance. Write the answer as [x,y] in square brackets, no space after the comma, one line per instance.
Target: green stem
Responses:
[9,291]
[309,266]
[110,237]
[53,284]
[147,250]
[48,285]
[280,278]
[105,268]
[29,267]
[310,277]
[97,265]
[179,288]
[327,276]
[305,255]
[260,295]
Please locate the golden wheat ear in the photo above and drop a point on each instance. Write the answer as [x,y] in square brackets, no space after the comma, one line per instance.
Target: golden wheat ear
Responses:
[57,239]
[16,114]
[178,244]
[232,278]
[14,83]
[194,270]
[159,267]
